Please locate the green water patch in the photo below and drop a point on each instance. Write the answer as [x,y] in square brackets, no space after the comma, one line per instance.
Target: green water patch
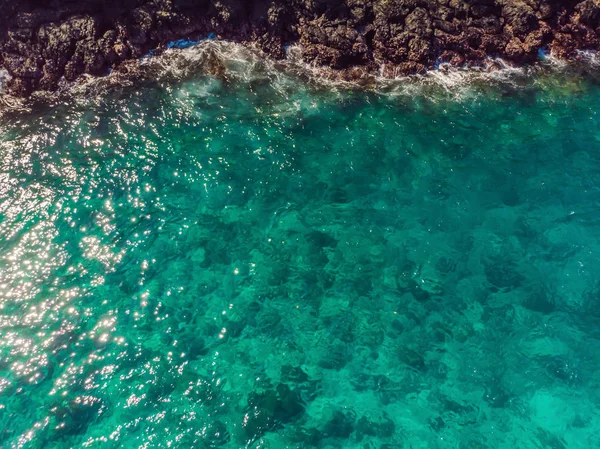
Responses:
[214,263]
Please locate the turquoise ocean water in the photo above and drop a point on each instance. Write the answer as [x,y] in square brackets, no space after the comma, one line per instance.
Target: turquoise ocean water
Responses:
[218,262]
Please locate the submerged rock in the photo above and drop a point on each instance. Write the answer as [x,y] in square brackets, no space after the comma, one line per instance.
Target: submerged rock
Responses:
[76,415]
[271,409]
[332,354]
[329,422]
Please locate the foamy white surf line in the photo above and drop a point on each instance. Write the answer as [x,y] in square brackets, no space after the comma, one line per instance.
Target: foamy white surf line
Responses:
[186,59]
[245,64]
[8,102]
[237,62]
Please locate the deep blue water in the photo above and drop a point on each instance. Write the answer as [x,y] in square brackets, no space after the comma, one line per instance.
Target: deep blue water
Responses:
[217,263]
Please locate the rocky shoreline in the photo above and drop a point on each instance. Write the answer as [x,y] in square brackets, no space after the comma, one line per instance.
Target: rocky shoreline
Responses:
[42,42]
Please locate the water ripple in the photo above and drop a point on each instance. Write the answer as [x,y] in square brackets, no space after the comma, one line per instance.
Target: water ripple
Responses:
[243,260]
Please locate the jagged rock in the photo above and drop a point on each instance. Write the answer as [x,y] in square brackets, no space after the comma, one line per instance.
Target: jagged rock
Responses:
[36,17]
[418,22]
[39,45]
[22,66]
[589,13]
[20,34]
[563,45]
[520,16]
[142,23]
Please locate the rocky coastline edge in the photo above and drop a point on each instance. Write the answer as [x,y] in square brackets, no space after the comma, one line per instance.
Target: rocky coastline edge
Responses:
[44,41]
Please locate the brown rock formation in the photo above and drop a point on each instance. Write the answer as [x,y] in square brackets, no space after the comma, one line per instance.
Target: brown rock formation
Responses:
[44,40]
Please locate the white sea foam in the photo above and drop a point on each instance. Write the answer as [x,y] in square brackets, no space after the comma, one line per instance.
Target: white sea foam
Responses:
[8,102]
[234,62]
[4,78]
[590,57]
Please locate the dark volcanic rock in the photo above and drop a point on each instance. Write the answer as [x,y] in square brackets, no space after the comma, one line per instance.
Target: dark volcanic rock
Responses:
[42,41]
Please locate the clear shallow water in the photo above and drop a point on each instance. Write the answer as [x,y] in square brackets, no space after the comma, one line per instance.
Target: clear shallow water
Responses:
[210,264]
